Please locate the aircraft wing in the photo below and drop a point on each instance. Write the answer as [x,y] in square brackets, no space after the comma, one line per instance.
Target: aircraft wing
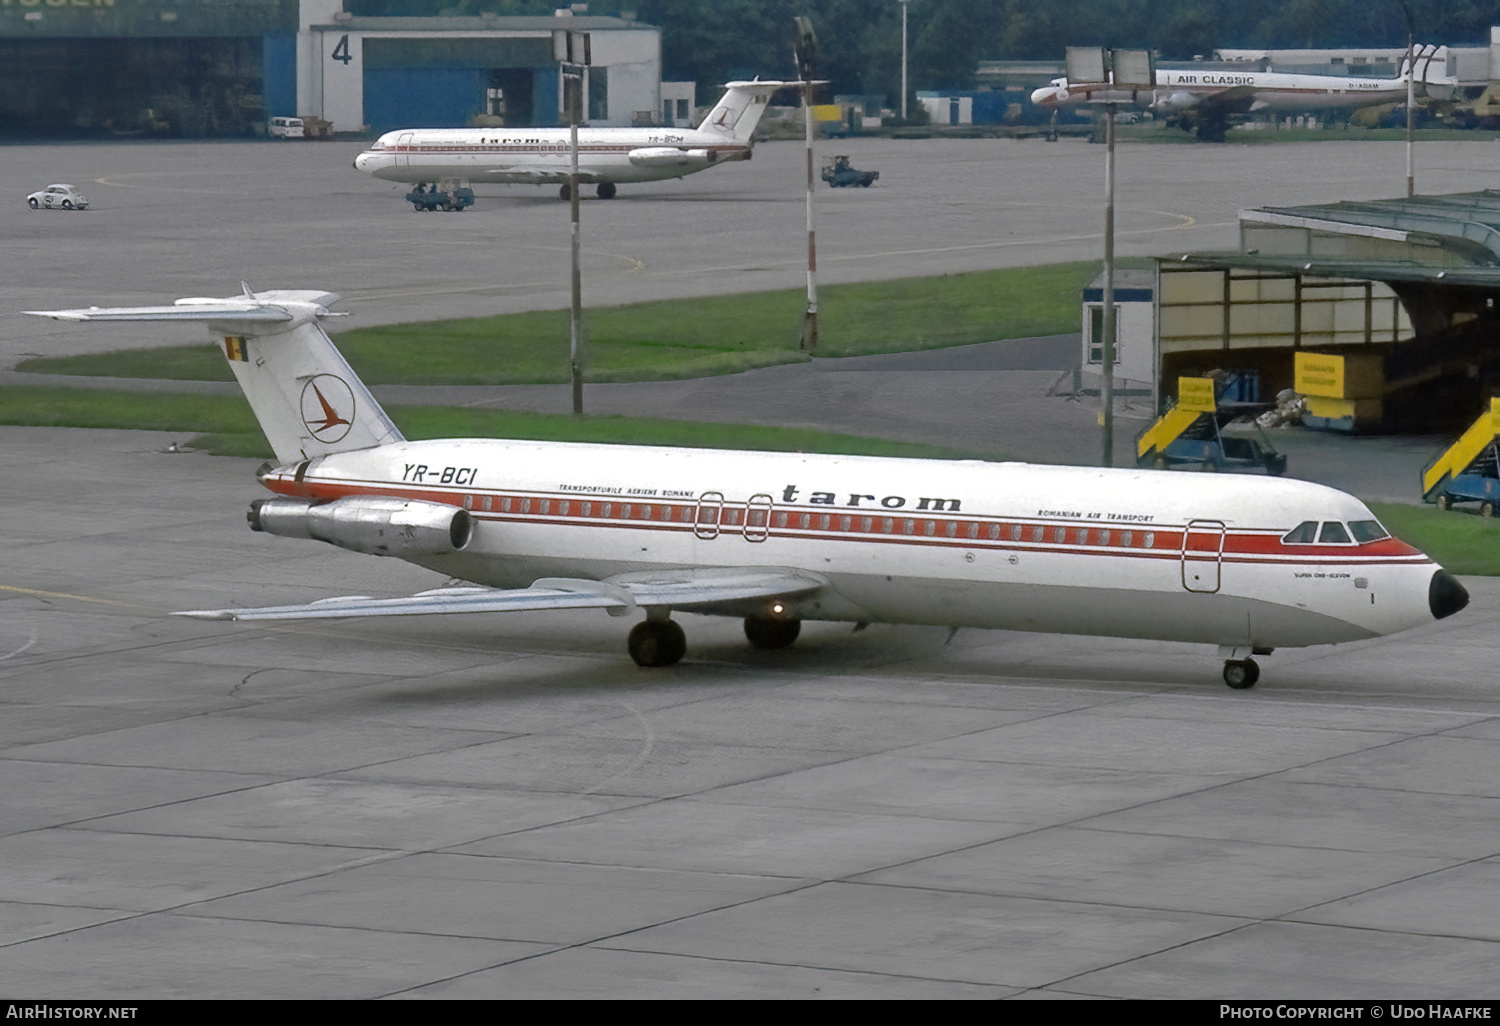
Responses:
[1235,100]
[703,589]
[530,174]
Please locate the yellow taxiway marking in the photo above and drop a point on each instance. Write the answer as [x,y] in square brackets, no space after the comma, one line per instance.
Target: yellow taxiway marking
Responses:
[63,595]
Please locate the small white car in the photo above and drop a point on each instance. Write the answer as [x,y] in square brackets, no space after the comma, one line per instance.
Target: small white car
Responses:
[286,128]
[53,197]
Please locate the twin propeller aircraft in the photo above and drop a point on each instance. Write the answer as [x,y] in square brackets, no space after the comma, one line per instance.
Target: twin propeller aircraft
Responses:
[1204,99]
[1247,564]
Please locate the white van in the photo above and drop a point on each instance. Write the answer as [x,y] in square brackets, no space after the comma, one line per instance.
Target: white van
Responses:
[286,128]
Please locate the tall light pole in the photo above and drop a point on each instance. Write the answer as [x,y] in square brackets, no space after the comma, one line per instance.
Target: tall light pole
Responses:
[904,4]
[1411,90]
[1130,73]
[572,52]
[805,50]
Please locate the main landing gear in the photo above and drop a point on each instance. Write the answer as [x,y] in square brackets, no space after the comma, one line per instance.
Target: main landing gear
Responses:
[770,632]
[658,641]
[605,190]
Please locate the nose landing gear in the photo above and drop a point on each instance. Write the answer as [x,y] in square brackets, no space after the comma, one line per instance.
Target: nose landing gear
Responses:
[1241,673]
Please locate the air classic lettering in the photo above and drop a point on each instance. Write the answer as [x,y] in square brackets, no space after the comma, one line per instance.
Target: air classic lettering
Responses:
[1216,80]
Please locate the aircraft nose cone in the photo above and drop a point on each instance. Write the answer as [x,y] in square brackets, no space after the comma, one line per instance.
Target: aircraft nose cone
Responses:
[1445,596]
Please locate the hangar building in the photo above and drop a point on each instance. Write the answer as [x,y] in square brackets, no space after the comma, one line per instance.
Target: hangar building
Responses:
[195,68]
[1404,290]
[381,73]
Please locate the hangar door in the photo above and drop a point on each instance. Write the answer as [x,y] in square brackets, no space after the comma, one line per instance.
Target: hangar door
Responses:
[444,83]
[423,97]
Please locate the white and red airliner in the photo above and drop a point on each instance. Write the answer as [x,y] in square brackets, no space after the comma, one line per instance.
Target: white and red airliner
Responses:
[542,156]
[1246,563]
[1209,96]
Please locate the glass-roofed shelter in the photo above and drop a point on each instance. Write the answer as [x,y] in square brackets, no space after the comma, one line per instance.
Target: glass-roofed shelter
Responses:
[1405,289]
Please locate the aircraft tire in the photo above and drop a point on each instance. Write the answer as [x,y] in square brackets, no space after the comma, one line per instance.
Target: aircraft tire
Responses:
[607,190]
[1241,673]
[767,633]
[1444,502]
[657,643]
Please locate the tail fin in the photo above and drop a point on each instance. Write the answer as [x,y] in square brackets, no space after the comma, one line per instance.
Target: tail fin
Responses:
[306,397]
[739,109]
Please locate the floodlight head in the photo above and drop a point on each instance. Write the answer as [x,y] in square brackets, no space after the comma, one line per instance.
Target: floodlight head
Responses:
[1133,70]
[1085,64]
[805,47]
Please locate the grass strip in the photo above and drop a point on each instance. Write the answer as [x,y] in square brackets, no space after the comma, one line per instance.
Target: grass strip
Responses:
[224,425]
[669,339]
[1461,540]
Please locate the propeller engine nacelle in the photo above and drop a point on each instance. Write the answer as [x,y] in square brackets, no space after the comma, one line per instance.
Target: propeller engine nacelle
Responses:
[372,524]
[1179,100]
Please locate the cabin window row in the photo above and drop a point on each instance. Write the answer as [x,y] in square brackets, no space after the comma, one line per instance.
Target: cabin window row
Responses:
[969,529]
[730,516]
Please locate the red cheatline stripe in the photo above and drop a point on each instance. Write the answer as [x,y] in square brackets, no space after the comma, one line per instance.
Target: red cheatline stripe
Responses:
[1253,546]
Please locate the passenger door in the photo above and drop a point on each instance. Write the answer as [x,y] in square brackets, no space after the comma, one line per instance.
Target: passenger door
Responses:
[758,517]
[706,518]
[1202,554]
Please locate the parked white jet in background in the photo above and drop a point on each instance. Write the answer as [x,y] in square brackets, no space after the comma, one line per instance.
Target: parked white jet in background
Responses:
[1245,563]
[1205,98]
[606,156]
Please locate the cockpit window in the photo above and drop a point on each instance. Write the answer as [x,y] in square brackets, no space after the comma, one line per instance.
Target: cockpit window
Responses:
[1367,530]
[1302,534]
[1333,533]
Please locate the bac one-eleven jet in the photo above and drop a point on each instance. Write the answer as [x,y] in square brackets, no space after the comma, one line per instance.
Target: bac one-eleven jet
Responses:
[1248,564]
[543,156]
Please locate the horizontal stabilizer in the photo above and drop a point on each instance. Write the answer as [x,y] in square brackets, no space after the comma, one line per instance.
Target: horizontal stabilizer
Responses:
[307,398]
[676,589]
[227,311]
[274,306]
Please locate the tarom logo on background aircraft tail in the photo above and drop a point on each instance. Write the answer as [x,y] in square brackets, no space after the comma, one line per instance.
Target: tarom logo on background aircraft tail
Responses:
[739,109]
[306,397]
